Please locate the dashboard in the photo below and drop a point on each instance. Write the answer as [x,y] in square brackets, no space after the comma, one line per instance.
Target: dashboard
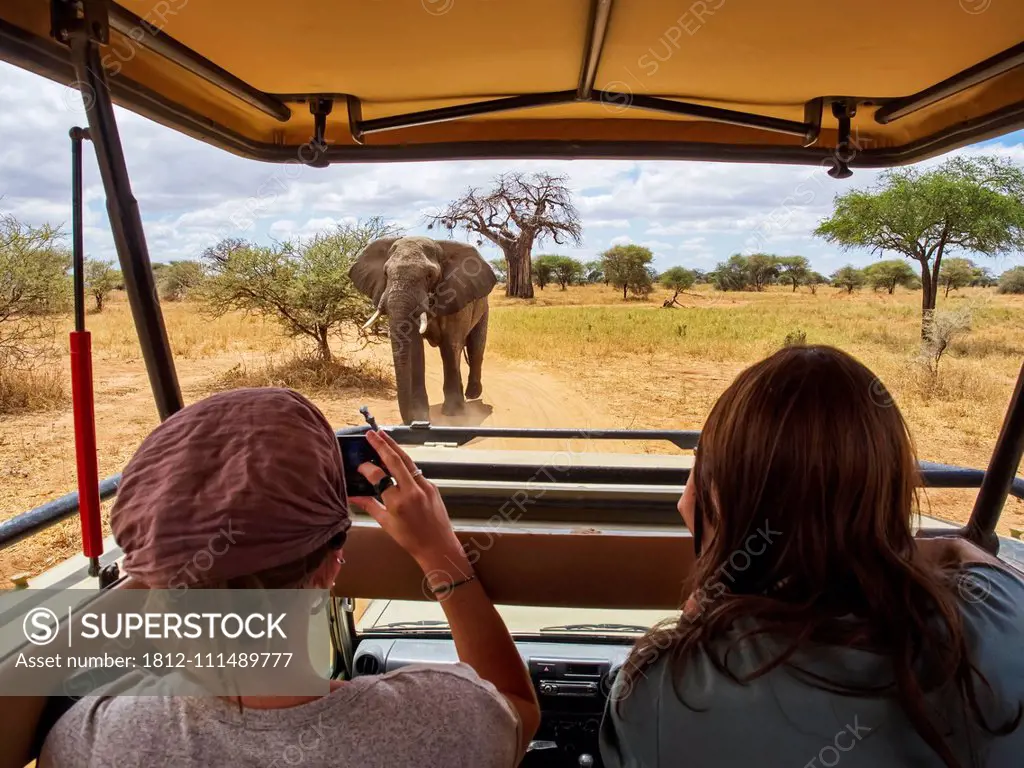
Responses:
[571,679]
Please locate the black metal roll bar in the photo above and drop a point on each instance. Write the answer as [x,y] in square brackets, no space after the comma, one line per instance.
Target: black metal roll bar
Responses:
[558,472]
[52,512]
[84,33]
[1001,475]
[422,433]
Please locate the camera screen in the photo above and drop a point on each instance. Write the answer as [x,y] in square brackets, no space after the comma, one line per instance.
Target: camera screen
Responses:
[355,450]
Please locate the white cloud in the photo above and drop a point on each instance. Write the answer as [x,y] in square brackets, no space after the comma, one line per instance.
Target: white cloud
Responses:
[696,244]
[658,245]
[608,224]
[191,194]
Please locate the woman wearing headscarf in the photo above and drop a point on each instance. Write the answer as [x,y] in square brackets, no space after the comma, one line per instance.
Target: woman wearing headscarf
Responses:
[254,480]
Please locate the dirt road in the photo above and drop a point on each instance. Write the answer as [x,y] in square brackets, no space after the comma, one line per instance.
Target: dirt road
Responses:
[516,394]
[37,450]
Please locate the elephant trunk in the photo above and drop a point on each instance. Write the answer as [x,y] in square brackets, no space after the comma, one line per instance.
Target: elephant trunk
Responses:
[407,351]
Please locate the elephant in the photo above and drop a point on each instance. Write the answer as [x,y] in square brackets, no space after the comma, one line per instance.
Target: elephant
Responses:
[435,290]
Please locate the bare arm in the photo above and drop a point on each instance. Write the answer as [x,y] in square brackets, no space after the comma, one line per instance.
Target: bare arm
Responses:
[414,515]
[483,641]
[19,718]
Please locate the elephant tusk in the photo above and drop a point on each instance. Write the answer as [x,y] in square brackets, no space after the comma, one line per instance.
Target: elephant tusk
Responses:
[423,323]
[371,321]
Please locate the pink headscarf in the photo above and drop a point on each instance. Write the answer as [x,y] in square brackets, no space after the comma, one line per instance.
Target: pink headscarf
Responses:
[239,482]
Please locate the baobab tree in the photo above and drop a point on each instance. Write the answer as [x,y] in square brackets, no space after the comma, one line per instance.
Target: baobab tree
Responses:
[518,211]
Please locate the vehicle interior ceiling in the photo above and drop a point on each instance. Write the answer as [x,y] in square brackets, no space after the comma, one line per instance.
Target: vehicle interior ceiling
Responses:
[596,77]
[794,81]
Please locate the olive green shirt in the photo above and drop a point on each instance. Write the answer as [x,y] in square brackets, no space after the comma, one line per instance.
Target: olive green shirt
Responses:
[779,720]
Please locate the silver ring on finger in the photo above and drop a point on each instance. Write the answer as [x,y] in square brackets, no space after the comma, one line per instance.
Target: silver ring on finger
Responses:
[418,473]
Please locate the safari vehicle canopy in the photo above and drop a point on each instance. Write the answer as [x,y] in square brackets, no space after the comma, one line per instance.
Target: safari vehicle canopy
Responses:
[432,79]
[793,81]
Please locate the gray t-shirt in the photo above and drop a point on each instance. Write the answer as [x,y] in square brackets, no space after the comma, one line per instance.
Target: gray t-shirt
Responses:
[779,720]
[420,715]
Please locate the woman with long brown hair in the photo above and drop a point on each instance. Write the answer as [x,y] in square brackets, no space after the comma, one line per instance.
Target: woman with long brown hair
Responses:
[817,628]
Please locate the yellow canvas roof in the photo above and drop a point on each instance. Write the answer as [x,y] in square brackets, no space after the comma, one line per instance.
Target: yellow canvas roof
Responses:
[415,79]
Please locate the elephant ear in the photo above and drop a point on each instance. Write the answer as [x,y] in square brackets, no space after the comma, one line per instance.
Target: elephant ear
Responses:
[367,274]
[465,277]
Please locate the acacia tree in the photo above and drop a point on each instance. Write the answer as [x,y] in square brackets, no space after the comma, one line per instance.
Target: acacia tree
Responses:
[1012,281]
[304,286]
[762,268]
[517,212]
[731,275]
[180,279]
[543,271]
[593,272]
[813,279]
[100,279]
[33,284]
[957,273]
[677,280]
[966,204]
[983,278]
[628,267]
[792,269]
[565,270]
[849,278]
[890,273]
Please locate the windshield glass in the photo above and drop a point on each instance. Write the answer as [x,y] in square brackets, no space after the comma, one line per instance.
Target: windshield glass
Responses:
[589,295]
[425,617]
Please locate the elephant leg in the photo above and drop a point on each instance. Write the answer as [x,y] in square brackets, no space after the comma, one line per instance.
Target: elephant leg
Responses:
[453,399]
[475,343]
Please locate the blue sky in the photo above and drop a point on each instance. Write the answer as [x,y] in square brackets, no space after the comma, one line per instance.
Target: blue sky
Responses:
[191,194]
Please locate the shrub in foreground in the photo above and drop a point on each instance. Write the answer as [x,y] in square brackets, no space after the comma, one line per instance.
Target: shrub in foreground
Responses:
[311,375]
[1012,281]
[38,389]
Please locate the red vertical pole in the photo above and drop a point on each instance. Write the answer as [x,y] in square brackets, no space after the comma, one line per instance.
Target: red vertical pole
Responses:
[81,377]
[85,444]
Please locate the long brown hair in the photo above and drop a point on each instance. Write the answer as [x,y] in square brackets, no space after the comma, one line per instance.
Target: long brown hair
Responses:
[805,480]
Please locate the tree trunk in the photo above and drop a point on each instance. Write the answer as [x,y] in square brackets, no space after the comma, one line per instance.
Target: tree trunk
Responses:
[520,269]
[322,347]
[624,287]
[935,275]
[946,294]
[99,302]
[927,301]
[794,286]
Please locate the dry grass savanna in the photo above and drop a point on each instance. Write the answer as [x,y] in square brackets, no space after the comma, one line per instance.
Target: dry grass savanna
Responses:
[581,357]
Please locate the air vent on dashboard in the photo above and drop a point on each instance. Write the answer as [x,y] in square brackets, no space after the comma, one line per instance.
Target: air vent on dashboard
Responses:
[368,664]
